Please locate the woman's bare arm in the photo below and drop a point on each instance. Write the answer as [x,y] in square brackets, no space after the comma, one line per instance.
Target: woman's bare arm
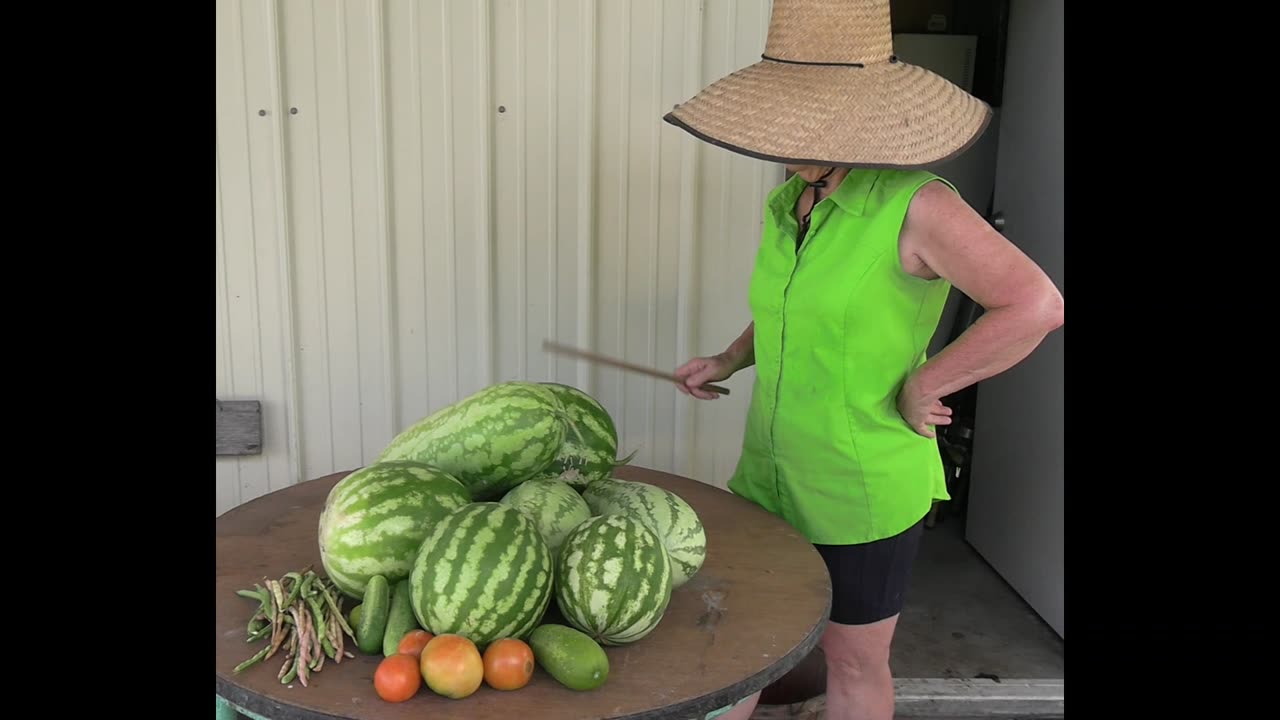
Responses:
[943,236]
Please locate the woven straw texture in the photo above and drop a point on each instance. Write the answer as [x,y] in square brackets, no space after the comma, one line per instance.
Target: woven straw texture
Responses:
[886,114]
[840,31]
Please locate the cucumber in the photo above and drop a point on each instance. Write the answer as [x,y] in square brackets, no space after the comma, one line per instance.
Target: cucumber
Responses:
[400,619]
[373,615]
[354,618]
[570,656]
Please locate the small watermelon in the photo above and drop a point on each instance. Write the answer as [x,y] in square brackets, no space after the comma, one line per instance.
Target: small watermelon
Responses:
[484,573]
[613,579]
[666,513]
[375,518]
[554,507]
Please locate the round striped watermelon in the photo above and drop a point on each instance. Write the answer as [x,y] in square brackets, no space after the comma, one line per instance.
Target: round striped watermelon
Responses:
[666,513]
[483,573]
[492,440]
[554,507]
[375,518]
[590,448]
[613,579]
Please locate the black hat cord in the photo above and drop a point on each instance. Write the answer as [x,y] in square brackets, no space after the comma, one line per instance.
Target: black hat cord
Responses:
[817,186]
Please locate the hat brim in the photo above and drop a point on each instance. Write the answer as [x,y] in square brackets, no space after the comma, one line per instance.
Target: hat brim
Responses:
[887,115]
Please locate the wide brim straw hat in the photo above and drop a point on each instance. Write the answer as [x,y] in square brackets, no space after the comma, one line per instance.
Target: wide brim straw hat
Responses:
[829,91]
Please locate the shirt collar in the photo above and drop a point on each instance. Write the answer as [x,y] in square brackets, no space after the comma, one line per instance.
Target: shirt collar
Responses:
[850,196]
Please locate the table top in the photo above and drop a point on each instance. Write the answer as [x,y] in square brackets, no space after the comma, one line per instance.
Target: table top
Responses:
[755,609]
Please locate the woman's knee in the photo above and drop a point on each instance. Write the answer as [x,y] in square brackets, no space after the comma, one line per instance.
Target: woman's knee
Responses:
[855,651]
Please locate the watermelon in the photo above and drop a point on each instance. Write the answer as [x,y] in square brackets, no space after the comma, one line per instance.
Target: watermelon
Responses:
[613,579]
[666,513]
[492,440]
[554,507]
[375,518]
[483,573]
[590,448]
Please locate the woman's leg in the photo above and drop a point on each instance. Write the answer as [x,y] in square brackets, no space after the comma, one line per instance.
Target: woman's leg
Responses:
[859,684]
[868,584]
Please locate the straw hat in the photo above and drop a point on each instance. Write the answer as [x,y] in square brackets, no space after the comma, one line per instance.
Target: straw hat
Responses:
[829,91]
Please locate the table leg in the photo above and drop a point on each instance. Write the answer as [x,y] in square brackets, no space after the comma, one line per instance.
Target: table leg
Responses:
[227,711]
[721,711]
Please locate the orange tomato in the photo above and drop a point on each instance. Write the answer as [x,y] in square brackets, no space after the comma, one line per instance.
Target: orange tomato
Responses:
[451,666]
[413,642]
[508,664]
[397,678]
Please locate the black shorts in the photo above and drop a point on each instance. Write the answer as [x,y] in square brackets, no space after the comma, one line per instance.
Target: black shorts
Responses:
[869,582]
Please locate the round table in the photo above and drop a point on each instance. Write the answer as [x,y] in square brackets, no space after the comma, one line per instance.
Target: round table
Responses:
[756,608]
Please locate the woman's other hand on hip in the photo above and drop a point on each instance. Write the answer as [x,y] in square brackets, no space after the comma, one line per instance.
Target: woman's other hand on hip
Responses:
[921,411]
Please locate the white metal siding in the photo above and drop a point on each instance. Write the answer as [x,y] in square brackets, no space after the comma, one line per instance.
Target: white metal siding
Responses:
[400,243]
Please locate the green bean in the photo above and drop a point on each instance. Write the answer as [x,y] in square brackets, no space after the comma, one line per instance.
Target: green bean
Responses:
[302,611]
[306,584]
[338,636]
[261,655]
[337,610]
[317,613]
[264,603]
[265,594]
[293,672]
[297,586]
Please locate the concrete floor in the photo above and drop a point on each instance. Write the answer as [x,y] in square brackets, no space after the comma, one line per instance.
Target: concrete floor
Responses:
[962,620]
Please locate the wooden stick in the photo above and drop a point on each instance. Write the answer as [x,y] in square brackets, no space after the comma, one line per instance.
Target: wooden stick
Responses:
[601,359]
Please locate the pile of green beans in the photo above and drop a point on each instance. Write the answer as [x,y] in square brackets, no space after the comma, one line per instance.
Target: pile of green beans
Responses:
[301,612]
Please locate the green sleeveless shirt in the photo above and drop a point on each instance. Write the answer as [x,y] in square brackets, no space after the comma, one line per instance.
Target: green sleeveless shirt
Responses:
[838,327]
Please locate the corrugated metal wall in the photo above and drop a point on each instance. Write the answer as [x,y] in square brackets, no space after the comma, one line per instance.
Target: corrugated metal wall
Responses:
[462,179]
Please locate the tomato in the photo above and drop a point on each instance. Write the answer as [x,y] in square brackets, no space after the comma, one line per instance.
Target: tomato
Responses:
[508,664]
[451,666]
[413,642]
[397,678]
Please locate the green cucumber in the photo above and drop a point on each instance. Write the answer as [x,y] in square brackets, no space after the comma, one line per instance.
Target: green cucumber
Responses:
[400,619]
[570,656]
[373,614]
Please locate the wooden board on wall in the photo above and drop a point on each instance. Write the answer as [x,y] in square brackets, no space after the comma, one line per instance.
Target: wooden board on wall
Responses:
[239,427]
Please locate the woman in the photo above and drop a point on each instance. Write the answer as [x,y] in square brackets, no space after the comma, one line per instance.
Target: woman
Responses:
[859,251]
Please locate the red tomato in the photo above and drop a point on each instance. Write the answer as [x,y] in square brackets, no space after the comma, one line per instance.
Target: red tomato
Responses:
[413,642]
[397,678]
[508,664]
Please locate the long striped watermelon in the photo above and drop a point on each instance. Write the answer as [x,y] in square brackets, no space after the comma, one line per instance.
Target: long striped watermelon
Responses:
[375,518]
[492,440]
[590,448]
[484,573]
[613,579]
[666,513]
[554,507]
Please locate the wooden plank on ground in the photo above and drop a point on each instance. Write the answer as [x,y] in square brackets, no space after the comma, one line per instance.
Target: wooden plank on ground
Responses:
[980,698]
